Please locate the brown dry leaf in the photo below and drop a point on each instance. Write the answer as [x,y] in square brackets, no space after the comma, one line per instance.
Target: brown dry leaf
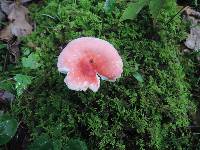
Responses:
[5,6]
[193,40]
[19,24]
[21,28]
[31,45]
[5,34]
[18,12]
[13,48]
[191,12]
[25,1]
[6,97]
[2,16]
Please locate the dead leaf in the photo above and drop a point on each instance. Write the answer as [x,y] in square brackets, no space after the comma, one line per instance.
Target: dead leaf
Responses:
[13,48]
[25,1]
[19,24]
[20,28]
[5,34]
[2,16]
[5,6]
[6,97]
[18,12]
[31,45]
[193,40]
[19,21]
[191,12]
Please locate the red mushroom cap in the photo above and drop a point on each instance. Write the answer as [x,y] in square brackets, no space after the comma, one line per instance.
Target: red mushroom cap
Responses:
[85,58]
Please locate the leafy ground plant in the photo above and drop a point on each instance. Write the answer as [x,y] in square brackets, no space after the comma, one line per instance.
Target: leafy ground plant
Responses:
[44,142]
[8,128]
[22,82]
[133,8]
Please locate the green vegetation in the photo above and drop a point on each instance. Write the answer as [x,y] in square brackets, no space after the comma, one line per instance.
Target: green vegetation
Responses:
[8,128]
[149,107]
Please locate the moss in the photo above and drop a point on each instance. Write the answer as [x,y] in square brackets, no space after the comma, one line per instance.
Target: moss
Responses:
[126,114]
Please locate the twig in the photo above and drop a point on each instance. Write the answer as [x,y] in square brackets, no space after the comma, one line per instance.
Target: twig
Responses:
[6,80]
[177,14]
[5,61]
[49,16]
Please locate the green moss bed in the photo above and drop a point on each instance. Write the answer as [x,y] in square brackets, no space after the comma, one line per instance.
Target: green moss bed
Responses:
[127,114]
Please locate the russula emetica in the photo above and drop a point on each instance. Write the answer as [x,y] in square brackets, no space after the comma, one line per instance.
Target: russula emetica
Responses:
[87,59]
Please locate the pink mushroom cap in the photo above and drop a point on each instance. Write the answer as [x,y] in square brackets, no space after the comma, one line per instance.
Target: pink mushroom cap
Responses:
[85,60]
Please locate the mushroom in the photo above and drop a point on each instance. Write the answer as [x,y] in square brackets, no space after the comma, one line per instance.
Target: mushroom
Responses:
[85,60]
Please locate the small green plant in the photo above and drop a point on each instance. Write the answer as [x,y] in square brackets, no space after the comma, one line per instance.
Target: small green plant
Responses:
[22,82]
[2,46]
[133,8]
[138,77]
[44,142]
[76,144]
[109,5]
[31,61]
[8,128]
